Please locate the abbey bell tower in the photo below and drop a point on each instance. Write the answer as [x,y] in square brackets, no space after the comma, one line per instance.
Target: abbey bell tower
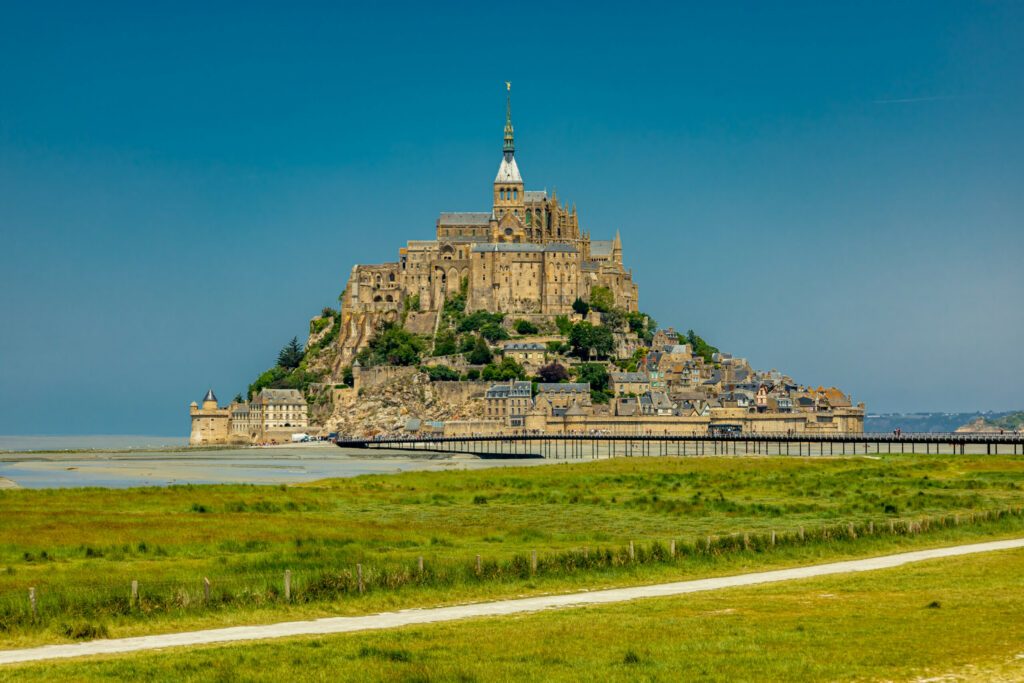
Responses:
[508,184]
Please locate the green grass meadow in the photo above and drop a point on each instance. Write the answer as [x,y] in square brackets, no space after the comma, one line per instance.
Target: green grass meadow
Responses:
[943,620]
[81,548]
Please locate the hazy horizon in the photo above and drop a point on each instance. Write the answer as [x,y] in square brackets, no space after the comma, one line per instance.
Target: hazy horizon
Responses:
[833,192]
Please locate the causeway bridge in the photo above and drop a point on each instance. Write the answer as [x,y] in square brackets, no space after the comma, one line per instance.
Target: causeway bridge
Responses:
[593,446]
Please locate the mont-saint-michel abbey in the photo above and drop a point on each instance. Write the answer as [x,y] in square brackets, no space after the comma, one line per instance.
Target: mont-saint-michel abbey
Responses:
[525,257]
[511,320]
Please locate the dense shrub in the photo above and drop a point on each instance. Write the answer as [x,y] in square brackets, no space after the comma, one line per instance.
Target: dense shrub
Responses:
[526,327]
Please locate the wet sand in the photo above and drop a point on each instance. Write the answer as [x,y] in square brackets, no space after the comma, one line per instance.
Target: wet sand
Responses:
[285,464]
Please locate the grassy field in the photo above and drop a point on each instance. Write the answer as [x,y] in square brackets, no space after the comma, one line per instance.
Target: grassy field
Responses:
[952,619]
[81,549]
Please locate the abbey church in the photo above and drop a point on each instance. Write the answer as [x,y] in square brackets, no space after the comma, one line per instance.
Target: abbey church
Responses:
[526,256]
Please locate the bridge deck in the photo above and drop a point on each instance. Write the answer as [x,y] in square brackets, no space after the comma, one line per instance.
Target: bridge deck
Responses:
[579,446]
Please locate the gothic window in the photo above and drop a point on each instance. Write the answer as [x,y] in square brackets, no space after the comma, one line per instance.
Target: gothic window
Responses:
[391,277]
[515,194]
[529,217]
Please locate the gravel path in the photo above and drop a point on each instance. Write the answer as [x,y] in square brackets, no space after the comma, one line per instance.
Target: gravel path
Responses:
[485,609]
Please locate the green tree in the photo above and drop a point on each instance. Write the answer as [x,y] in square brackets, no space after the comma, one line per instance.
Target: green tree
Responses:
[346,376]
[586,339]
[493,332]
[563,324]
[392,345]
[438,373]
[444,343]
[478,319]
[581,306]
[467,343]
[502,372]
[613,319]
[238,399]
[291,355]
[601,299]
[580,337]
[700,347]
[603,342]
[270,378]
[526,327]
[643,325]
[595,373]
[481,353]
[455,306]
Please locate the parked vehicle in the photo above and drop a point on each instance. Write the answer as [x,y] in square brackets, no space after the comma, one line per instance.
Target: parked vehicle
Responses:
[724,429]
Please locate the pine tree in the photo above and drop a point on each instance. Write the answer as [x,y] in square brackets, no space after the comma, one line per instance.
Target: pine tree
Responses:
[291,354]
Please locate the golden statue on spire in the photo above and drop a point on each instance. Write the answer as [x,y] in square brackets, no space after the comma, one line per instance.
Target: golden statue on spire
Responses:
[508,85]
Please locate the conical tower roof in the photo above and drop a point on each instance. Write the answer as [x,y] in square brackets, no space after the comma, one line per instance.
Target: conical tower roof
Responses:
[210,396]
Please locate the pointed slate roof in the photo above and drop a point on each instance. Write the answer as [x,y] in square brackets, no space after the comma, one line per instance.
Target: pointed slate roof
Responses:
[508,172]
[210,396]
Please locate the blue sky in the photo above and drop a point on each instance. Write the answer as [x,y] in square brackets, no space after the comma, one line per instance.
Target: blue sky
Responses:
[834,192]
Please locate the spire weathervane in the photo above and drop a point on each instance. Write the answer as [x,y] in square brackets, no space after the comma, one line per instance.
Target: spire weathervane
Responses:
[510,147]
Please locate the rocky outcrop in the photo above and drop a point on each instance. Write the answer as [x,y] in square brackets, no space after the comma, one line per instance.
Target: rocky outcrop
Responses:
[386,407]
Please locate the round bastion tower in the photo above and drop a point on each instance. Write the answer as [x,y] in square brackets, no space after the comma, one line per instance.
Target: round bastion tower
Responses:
[210,423]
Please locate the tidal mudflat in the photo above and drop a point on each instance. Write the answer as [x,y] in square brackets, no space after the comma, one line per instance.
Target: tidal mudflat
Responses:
[271,465]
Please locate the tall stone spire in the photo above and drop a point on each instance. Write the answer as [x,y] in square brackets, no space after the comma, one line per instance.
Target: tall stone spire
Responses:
[508,184]
[510,147]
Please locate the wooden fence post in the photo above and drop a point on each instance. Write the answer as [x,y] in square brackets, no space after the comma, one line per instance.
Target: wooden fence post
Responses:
[672,547]
[773,538]
[632,551]
[359,574]
[135,593]
[479,567]
[871,528]
[32,601]
[853,532]
[206,589]
[533,562]
[419,564]
[288,585]
[801,533]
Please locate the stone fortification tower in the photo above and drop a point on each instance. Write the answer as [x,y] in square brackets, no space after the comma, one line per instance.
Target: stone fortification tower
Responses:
[210,423]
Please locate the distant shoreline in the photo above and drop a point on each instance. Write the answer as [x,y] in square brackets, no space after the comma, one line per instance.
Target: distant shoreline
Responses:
[6,455]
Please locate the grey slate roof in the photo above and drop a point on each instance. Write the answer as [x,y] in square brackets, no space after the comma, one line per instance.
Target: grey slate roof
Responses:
[210,396]
[535,195]
[280,397]
[601,247]
[522,346]
[465,218]
[513,390]
[630,377]
[465,238]
[563,387]
[524,247]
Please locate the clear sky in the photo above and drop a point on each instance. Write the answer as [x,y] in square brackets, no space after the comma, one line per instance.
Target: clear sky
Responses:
[834,192]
